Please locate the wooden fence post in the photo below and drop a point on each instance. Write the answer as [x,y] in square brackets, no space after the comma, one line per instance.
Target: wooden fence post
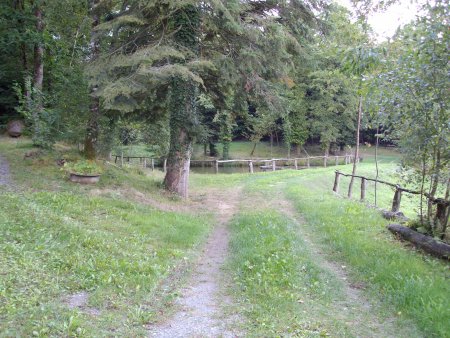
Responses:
[153,164]
[250,167]
[397,199]
[336,182]
[308,164]
[325,158]
[296,164]
[363,189]
[216,165]
[145,162]
[274,165]
[336,160]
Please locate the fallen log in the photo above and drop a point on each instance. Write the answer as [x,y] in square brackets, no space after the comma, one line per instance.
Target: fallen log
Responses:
[426,243]
[399,216]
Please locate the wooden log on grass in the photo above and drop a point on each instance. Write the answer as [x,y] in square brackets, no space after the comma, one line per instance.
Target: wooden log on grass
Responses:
[426,243]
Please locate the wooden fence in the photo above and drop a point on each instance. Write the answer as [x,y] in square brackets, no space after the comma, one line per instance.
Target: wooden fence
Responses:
[143,160]
[267,164]
[274,163]
[442,205]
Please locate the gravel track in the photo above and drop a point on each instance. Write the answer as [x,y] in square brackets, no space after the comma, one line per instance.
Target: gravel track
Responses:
[200,311]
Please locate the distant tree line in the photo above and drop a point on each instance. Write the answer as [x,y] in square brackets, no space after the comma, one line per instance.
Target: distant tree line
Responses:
[190,71]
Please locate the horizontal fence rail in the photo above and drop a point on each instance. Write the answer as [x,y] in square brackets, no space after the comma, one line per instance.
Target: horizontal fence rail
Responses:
[442,205]
[265,164]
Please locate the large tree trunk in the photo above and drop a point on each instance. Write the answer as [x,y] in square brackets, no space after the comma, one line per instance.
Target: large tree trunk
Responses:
[178,163]
[183,116]
[350,187]
[38,77]
[92,128]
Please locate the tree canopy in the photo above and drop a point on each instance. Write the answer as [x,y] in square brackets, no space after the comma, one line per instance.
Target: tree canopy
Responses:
[191,71]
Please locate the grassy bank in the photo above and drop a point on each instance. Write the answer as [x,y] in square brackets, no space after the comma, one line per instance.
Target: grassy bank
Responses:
[415,285]
[60,241]
[284,288]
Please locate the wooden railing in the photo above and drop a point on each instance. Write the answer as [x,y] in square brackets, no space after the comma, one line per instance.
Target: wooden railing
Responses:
[268,164]
[144,160]
[441,204]
[271,164]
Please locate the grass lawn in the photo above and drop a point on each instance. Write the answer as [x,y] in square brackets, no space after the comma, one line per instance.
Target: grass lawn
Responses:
[414,284]
[58,239]
[277,275]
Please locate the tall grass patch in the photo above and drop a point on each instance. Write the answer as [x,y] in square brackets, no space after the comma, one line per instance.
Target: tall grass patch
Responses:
[53,245]
[416,285]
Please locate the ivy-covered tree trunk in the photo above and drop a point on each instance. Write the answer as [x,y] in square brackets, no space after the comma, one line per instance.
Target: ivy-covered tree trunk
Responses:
[92,128]
[38,79]
[183,117]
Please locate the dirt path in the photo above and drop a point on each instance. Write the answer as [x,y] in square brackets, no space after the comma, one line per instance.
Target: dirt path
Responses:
[200,304]
[5,177]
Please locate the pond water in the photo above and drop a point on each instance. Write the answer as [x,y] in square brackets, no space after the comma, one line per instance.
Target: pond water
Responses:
[230,169]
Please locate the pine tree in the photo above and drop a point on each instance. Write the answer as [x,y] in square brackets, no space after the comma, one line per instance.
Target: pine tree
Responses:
[171,51]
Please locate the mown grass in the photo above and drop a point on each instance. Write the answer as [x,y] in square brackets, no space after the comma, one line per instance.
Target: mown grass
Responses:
[282,285]
[414,284]
[57,239]
[277,283]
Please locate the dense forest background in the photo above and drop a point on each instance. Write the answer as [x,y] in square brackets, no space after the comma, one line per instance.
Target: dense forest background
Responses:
[173,73]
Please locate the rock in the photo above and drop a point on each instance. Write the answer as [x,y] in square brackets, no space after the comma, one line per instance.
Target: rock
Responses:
[15,128]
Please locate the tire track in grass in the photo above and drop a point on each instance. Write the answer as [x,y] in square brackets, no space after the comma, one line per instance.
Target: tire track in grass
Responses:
[356,310]
[344,311]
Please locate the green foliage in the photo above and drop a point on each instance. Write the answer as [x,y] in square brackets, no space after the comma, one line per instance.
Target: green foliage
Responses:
[332,101]
[85,167]
[42,122]
[413,103]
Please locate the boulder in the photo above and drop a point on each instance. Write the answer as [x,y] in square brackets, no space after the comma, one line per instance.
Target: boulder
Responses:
[15,128]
